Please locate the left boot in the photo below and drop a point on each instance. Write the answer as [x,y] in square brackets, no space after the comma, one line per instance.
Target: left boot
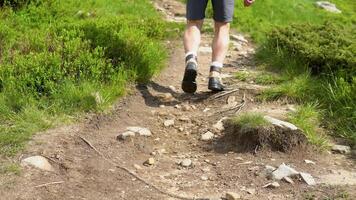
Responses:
[215,83]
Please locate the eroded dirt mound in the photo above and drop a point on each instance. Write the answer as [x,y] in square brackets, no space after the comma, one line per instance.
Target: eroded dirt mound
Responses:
[267,137]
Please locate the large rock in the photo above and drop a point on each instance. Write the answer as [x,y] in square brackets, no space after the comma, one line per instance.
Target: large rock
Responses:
[39,162]
[341,149]
[283,171]
[327,6]
[281,123]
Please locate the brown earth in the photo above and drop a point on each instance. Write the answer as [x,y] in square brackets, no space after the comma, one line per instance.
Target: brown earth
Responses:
[216,168]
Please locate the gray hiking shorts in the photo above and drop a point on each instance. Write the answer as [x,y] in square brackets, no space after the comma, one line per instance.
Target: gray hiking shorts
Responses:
[223,9]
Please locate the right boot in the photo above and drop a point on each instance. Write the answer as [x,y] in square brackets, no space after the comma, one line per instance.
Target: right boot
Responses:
[189,84]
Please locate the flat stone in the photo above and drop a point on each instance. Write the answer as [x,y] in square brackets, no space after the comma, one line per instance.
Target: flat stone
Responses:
[283,171]
[165,97]
[186,163]
[168,123]
[125,135]
[308,178]
[207,136]
[281,123]
[232,196]
[39,162]
[330,7]
[341,149]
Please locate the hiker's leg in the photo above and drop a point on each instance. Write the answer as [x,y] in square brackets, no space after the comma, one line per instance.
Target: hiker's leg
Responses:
[223,15]
[192,36]
[221,41]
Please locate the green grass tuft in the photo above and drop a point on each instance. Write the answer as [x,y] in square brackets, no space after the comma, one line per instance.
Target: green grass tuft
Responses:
[307,118]
[250,121]
[10,168]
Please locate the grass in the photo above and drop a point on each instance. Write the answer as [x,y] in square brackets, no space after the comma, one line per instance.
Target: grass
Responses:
[307,118]
[10,168]
[264,15]
[61,59]
[250,121]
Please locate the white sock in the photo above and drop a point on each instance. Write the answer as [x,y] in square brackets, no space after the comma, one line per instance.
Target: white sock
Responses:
[217,64]
[193,59]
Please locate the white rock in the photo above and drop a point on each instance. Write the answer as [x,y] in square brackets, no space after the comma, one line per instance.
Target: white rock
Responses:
[308,178]
[281,123]
[204,178]
[186,163]
[288,180]
[168,123]
[134,129]
[219,125]
[327,6]
[150,161]
[232,196]
[341,149]
[283,171]
[125,135]
[39,162]
[309,162]
[207,136]
[140,130]
[172,88]
[145,132]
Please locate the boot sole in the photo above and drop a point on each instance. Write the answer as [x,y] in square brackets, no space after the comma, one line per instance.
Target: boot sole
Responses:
[189,85]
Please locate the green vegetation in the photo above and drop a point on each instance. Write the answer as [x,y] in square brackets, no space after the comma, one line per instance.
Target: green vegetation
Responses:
[250,121]
[62,58]
[259,77]
[313,51]
[10,168]
[307,118]
[259,19]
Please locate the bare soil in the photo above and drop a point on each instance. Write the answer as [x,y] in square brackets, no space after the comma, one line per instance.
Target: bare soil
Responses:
[217,167]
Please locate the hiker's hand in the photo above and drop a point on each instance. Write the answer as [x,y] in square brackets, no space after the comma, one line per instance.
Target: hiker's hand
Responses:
[248,2]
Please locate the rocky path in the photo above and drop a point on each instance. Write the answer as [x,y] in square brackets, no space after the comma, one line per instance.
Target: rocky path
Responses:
[177,143]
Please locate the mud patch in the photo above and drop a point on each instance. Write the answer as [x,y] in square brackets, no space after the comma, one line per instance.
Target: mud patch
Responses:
[269,137]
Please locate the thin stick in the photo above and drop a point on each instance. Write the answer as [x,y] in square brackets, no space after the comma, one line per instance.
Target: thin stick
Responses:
[48,184]
[138,177]
[224,94]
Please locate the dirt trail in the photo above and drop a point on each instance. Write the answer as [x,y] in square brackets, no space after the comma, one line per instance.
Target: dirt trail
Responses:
[217,166]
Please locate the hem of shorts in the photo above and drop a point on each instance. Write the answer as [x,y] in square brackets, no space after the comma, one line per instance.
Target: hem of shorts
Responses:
[223,20]
[193,19]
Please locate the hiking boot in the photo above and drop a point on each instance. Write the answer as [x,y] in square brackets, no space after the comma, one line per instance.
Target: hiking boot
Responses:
[189,84]
[215,83]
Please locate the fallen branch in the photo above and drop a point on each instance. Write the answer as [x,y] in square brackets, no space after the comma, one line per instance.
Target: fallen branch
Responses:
[238,108]
[47,184]
[136,176]
[224,94]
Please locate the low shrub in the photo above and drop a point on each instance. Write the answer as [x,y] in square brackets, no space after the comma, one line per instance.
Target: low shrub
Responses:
[327,48]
